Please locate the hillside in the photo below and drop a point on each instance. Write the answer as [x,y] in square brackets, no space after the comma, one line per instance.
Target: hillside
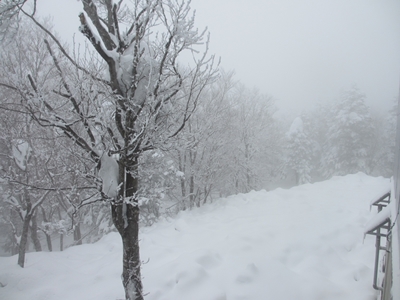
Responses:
[303,243]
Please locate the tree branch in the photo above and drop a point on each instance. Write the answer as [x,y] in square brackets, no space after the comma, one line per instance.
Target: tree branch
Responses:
[51,189]
[91,10]
[72,98]
[62,49]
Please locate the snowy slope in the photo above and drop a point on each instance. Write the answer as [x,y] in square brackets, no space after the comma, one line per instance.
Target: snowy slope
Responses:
[303,243]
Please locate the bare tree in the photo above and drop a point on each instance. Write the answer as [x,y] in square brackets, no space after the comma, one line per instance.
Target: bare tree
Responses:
[253,135]
[19,198]
[203,146]
[132,95]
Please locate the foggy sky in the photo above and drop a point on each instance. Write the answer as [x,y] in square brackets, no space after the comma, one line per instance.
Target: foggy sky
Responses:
[299,51]
[305,51]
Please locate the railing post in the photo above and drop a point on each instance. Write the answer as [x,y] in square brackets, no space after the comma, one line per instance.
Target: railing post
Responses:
[377,249]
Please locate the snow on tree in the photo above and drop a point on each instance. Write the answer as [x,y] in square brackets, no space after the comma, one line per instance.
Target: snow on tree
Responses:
[21,152]
[23,201]
[108,172]
[299,152]
[316,123]
[137,99]
[51,158]
[383,145]
[348,145]
[203,145]
[159,176]
[251,129]
[231,144]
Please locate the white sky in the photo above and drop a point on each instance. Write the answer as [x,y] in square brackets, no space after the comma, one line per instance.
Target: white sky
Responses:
[299,51]
[304,51]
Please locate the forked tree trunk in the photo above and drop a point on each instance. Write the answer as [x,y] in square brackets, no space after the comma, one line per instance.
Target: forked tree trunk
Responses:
[126,219]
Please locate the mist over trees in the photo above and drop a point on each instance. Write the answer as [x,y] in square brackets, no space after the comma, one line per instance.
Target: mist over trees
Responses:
[125,133]
[299,152]
[347,148]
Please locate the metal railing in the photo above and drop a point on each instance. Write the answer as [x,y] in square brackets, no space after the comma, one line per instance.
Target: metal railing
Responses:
[382,231]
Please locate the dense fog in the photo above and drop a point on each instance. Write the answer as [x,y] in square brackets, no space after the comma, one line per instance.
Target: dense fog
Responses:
[129,114]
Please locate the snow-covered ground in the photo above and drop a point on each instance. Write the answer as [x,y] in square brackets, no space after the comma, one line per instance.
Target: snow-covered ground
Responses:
[303,243]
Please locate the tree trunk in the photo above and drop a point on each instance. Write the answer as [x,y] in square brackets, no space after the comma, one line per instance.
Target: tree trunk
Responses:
[77,235]
[131,258]
[248,176]
[25,229]
[49,244]
[182,165]
[206,193]
[34,235]
[24,240]
[61,233]
[125,215]
[14,239]
[61,242]
[48,237]
[191,191]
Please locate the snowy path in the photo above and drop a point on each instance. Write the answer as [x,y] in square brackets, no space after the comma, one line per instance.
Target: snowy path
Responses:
[303,243]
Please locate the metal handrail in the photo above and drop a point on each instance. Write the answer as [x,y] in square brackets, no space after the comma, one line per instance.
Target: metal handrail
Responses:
[382,202]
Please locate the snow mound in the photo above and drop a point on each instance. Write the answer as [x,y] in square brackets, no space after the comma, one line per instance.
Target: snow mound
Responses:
[303,243]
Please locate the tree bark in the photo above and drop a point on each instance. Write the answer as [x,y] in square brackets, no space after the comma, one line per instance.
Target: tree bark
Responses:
[48,237]
[61,242]
[25,229]
[77,235]
[13,238]
[24,240]
[49,244]
[191,191]
[125,215]
[34,235]
[61,233]
[131,275]
[182,164]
